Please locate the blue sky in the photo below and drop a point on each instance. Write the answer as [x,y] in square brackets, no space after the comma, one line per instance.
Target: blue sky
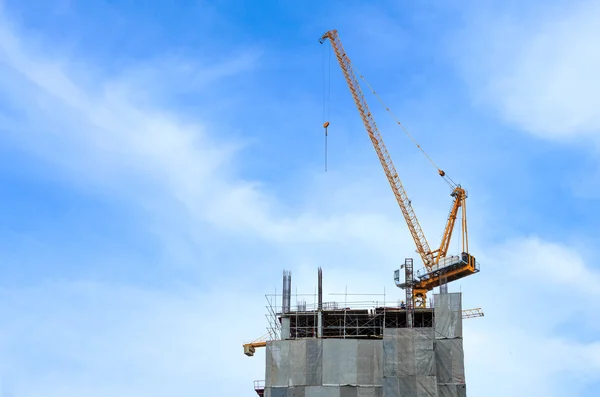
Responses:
[161,166]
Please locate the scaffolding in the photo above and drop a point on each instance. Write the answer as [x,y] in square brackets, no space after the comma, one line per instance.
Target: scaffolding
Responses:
[356,319]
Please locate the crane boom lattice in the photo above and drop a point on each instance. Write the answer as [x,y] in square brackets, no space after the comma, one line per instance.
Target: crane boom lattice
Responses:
[382,152]
[439,268]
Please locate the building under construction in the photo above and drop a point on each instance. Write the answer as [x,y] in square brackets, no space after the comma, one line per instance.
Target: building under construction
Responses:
[353,350]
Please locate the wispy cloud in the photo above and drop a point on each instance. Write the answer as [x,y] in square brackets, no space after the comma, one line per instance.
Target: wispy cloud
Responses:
[154,156]
[119,339]
[536,66]
[535,295]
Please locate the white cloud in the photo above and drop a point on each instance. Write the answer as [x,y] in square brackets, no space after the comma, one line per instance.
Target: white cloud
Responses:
[537,67]
[536,296]
[525,362]
[90,339]
[552,263]
[536,277]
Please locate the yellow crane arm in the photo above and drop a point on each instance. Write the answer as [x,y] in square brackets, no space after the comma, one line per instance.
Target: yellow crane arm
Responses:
[460,196]
[250,348]
[384,157]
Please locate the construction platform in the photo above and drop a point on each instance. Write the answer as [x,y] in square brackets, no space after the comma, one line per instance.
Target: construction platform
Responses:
[349,323]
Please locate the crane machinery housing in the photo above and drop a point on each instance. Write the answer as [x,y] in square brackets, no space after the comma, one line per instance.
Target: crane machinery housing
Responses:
[440,269]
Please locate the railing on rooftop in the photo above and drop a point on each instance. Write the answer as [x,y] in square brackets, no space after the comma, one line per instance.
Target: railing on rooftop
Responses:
[259,387]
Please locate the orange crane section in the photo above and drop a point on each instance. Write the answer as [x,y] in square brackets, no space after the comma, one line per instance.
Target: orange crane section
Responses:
[439,270]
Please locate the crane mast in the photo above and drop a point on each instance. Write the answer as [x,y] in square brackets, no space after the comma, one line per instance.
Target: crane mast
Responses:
[440,269]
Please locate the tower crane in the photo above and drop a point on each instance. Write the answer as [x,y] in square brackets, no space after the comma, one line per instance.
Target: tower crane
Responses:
[439,269]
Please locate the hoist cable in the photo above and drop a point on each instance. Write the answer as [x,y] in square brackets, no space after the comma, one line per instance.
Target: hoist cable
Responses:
[440,171]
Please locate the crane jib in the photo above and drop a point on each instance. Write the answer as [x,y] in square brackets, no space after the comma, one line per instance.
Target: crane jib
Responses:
[430,258]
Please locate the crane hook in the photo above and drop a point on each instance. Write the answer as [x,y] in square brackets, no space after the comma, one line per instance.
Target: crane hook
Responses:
[325,125]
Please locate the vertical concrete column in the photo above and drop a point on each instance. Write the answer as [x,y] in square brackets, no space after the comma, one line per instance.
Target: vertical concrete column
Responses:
[285,328]
[320,324]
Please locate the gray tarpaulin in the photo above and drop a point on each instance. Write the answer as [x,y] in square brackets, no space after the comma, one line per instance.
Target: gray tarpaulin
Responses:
[425,360]
[443,355]
[399,352]
[369,363]
[280,392]
[423,338]
[390,387]
[370,392]
[390,353]
[314,362]
[448,315]
[407,385]
[408,352]
[446,390]
[322,391]
[452,391]
[348,391]
[424,354]
[378,364]
[367,392]
[409,363]
[448,347]
[297,391]
[450,361]
[340,361]
[268,364]
[278,373]
[407,359]
[297,363]
[426,386]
